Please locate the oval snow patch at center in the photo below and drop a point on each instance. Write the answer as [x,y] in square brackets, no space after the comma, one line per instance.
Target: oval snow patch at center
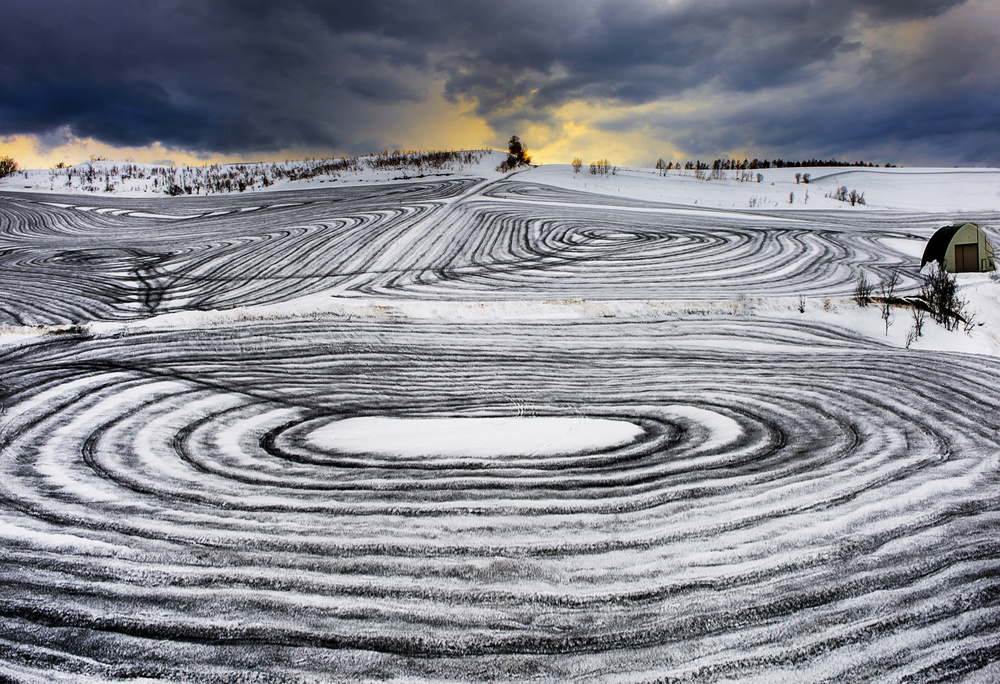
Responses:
[477,437]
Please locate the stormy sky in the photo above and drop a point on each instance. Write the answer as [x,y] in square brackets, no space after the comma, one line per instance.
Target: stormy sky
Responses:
[913,82]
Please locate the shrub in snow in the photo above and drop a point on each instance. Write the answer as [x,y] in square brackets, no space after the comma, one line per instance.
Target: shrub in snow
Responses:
[601,167]
[939,290]
[7,166]
[863,290]
[970,322]
[842,195]
[517,155]
[917,330]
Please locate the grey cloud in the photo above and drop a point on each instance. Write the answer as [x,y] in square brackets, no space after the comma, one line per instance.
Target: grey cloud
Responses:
[382,89]
[250,75]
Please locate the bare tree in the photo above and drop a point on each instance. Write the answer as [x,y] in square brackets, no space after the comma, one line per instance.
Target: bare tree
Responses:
[887,285]
[887,288]
[886,312]
[577,163]
[863,290]
[918,321]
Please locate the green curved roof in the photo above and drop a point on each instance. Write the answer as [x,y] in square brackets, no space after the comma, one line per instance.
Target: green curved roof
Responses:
[938,244]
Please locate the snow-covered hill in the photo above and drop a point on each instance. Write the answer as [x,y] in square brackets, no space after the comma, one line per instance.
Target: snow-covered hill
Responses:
[922,190]
[901,189]
[129,179]
[768,251]
[474,427]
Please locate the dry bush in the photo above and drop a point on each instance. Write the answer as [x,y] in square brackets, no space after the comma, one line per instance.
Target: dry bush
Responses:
[7,166]
[863,289]
[939,291]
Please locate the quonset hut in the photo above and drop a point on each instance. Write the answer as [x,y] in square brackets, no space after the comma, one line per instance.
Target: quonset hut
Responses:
[961,248]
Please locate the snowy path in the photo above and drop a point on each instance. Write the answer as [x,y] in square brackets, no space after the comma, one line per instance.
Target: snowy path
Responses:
[800,504]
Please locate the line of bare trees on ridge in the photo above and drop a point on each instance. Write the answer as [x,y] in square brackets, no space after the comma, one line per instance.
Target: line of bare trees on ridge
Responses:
[98,175]
[753,164]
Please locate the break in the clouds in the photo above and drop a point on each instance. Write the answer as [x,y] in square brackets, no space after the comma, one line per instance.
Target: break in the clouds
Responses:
[914,80]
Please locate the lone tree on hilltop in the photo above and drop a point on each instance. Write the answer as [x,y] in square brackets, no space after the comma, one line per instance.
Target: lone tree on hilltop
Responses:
[7,166]
[517,155]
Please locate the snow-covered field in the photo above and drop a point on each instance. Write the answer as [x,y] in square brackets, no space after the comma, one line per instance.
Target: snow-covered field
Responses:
[542,426]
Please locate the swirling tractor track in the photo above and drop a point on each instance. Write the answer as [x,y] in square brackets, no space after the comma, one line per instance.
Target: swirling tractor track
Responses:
[118,259]
[827,513]
[799,504]
[121,259]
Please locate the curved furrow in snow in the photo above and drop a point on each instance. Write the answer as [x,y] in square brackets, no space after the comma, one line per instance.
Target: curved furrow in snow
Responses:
[60,266]
[516,251]
[185,505]
[442,240]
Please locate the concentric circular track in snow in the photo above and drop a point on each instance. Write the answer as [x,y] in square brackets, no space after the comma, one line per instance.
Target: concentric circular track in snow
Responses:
[829,512]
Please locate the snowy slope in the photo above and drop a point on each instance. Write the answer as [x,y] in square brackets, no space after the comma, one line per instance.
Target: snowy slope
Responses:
[128,179]
[632,244]
[479,427]
[920,190]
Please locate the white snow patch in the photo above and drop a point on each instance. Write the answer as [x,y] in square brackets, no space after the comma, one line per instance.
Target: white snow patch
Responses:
[910,247]
[980,292]
[172,217]
[475,437]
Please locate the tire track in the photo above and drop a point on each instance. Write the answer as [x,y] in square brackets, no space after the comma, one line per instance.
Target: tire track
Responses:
[451,240]
[829,511]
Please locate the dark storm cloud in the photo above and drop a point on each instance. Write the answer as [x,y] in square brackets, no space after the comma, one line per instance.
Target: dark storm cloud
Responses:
[249,75]
[639,52]
[202,76]
[894,9]
[382,89]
